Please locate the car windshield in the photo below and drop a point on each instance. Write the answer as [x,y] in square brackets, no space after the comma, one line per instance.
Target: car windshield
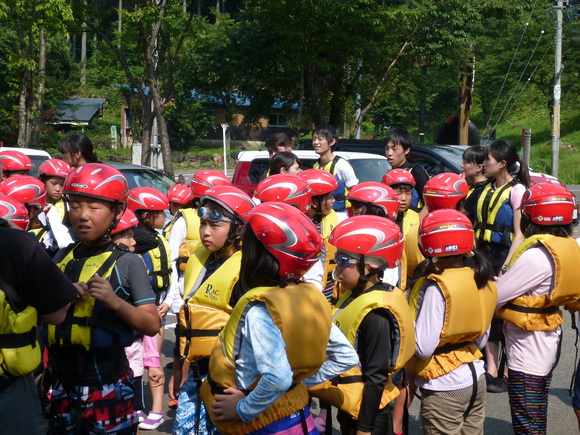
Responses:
[148,178]
[36,161]
[452,154]
[370,169]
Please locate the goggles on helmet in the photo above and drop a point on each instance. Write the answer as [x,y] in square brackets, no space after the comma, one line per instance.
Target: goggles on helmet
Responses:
[212,215]
[344,260]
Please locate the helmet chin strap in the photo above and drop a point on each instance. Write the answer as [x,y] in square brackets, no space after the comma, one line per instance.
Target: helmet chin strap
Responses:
[364,278]
[232,236]
[318,218]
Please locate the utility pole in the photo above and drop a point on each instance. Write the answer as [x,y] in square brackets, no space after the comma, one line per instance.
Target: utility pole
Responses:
[557,91]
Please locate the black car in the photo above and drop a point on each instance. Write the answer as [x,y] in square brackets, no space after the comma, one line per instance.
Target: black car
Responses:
[433,158]
[139,176]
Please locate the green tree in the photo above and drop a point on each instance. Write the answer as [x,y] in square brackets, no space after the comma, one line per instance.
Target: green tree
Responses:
[34,23]
[148,50]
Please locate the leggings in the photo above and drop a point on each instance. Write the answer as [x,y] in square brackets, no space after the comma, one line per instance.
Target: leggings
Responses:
[528,397]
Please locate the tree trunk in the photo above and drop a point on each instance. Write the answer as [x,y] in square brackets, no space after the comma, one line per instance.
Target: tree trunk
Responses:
[39,94]
[22,112]
[380,85]
[148,118]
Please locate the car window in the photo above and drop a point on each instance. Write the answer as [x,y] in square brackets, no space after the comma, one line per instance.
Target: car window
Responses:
[36,161]
[141,177]
[431,164]
[370,169]
[257,169]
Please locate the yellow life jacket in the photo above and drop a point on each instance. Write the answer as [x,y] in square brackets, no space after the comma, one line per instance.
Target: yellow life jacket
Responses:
[88,324]
[413,254]
[468,314]
[541,312]
[39,232]
[494,220]
[294,309]
[346,391]
[158,261]
[341,192]
[329,222]
[62,208]
[192,240]
[410,218]
[19,348]
[207,308]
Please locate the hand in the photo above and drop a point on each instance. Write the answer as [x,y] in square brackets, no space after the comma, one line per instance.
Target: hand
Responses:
[225,405]
[162,309]
[156,376]
[101,290]
[82,290]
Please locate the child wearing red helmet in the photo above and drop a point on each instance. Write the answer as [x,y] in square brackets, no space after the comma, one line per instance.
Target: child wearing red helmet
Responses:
[149,205]
[13,162]
[263,362]
[453,306]
[376,319]
[92,388]
[210,291]
[47,228]
[403,182]
[543,275]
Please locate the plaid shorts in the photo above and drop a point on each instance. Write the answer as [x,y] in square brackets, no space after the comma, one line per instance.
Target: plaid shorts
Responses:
[103,409]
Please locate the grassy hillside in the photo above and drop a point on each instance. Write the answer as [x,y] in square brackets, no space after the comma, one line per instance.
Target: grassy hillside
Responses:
[536,117]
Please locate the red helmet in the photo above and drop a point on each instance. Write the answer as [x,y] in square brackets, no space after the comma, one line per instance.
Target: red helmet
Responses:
[290,189]
[128,220]
[444,191]
[97,180]
[289,235]
[398,176]
[320,181]
[232,198]
[549,204]
[180,194]
[374,236]
[446,232]
[54,168]
[14,211]
[378,194]
[26,189]
[12,160]
[203,180]
[147,198]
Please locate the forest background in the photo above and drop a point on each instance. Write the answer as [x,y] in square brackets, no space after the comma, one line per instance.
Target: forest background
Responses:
[363,65]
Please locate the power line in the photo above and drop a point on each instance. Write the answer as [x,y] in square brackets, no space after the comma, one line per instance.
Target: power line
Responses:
[519,79]
[527,81]
[512,62]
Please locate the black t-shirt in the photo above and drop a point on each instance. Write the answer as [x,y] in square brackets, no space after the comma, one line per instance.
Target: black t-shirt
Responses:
[419,174]
[375,353]
[145,241]
[31,273]
[471,202]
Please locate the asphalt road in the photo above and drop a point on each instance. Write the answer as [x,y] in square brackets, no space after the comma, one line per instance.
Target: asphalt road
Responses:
[561,418]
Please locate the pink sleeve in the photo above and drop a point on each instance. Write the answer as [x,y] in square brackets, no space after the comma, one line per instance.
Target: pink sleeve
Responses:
[530,275]
[151,357]
[516,195]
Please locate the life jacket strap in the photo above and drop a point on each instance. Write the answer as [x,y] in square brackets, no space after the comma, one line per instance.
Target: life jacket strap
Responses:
[531,310]
[23,339]
[450,347]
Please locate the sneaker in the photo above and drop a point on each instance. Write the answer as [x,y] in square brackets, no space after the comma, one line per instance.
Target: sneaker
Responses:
[141,416]
[173,404]
[152,422]
[495,385]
